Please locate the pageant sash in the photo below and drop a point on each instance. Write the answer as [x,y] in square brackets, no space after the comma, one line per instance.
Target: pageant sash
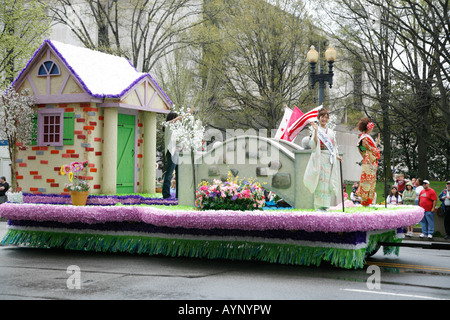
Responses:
[323,136]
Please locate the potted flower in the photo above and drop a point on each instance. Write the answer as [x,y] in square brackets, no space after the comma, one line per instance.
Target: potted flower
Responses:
[78,189]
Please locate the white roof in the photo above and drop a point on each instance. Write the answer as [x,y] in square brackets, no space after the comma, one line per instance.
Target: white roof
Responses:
[102,73]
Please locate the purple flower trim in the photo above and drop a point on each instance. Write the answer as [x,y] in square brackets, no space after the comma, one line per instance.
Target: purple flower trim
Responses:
[97,200]
[225,219]
[131,64]
[131,86]
[85,87]
[352,238]
[28,63]
[156,83]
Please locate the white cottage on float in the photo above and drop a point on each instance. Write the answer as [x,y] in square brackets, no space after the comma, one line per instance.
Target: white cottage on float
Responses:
[89,106]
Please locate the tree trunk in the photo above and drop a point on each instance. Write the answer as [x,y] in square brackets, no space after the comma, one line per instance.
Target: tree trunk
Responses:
[386,134]
[194,179]
[422,147]
[12,156]
[424,98]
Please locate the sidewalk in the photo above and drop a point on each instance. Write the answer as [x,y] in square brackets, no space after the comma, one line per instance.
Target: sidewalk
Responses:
[416,237]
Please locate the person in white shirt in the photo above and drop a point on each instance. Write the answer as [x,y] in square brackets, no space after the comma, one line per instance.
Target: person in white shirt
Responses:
[172,153]
[355,198]
[419,189]
[394,197]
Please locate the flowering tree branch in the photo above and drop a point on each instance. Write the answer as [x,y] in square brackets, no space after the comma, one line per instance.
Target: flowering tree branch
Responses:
[16,124]
[188,130]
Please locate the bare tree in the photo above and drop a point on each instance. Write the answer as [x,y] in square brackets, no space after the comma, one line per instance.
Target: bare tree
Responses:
[157,28]
[358,29]
[143,31]
[91,21]
[402,47]
[256,64]
[423,29]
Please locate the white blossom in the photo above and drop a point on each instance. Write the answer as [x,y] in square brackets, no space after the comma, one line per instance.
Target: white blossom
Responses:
[16,123]
[16,114]
[188,131]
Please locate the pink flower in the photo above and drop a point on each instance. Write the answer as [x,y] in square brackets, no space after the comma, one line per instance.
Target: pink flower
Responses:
[77,166]
[246,193]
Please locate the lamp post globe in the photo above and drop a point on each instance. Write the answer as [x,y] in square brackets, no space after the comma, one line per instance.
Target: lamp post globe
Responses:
[313,57]
[330,54]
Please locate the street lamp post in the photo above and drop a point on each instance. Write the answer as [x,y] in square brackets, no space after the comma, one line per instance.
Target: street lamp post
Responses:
[313,57]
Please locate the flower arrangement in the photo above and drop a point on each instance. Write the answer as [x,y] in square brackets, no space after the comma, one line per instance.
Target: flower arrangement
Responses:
[72,171]
[230,195]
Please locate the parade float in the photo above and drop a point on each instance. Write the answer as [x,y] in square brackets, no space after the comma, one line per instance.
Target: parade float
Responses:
[221,219]
[95,122]
[289,236]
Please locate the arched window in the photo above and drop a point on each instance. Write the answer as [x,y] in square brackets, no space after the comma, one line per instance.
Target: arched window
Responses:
[48,68]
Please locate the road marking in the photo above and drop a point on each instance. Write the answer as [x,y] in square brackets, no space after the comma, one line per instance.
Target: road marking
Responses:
[393,294]
[406,266]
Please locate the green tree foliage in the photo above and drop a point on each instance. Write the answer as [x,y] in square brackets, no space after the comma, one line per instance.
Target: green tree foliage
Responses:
[23,27]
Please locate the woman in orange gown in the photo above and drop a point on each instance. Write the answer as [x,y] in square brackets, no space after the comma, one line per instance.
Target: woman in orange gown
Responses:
[368,149]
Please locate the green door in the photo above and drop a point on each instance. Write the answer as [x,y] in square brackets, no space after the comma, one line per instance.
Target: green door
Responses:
[125,154]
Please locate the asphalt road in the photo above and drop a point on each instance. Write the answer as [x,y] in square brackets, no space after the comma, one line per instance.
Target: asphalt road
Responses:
[28,273]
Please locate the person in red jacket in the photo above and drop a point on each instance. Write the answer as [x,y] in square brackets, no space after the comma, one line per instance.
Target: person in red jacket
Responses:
[427,200]
[400,182]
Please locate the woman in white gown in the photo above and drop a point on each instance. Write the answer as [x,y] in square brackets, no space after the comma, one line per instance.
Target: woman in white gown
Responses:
[322,172]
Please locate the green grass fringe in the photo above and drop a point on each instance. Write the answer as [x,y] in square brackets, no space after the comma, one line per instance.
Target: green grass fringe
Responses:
[209,249]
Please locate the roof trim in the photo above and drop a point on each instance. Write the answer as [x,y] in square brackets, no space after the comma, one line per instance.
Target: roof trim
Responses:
[83,85]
